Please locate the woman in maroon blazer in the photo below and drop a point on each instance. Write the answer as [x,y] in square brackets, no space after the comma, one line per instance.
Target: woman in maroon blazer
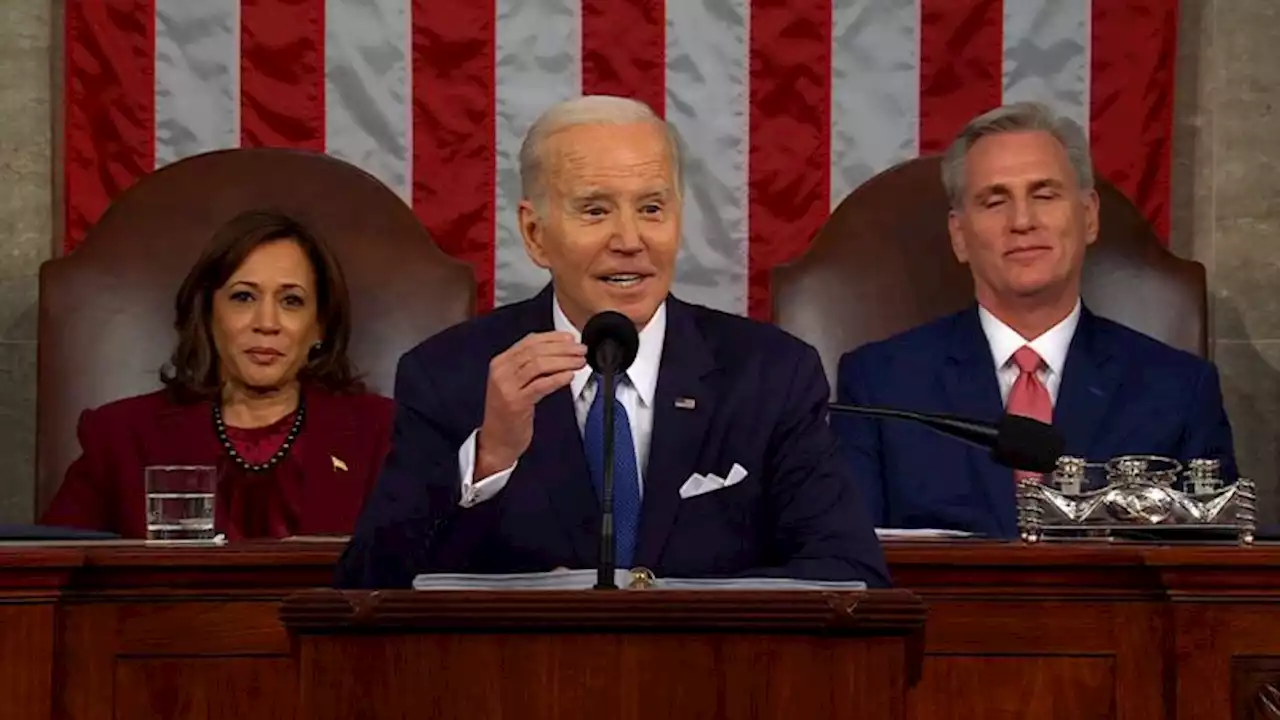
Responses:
[259,386]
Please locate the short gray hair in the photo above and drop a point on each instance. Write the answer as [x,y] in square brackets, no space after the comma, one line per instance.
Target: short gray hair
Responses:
[587,110]
[1017,117]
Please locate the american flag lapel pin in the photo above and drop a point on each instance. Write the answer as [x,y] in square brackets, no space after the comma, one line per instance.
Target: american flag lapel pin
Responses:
[685,403]
[337,463]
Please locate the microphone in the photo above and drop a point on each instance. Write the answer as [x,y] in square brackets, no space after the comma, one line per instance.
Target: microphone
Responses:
[612,343]
[1017,442]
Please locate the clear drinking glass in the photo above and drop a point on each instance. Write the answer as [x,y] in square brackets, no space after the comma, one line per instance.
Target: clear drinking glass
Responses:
[180,501]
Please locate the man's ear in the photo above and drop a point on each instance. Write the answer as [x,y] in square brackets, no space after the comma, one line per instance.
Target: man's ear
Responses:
[958,245]
[532,230]
[1091,204]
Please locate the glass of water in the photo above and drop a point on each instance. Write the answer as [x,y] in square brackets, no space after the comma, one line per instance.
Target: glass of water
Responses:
[180,501]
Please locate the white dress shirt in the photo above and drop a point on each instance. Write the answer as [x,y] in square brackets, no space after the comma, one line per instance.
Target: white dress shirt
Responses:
[1051,346]
[635,391]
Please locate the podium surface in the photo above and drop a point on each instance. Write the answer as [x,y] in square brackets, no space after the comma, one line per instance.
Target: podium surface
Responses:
[605,653]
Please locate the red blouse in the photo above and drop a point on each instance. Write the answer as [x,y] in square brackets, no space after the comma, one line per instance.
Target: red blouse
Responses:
[260,504]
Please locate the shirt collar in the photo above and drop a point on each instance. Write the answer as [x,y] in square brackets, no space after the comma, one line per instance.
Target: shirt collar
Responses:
[1051,346]
[643,373]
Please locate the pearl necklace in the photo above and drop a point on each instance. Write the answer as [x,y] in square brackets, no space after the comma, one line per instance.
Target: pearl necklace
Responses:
[221,428]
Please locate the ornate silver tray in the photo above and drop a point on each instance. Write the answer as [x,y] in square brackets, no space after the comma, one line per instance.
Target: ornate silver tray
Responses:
[1145,493]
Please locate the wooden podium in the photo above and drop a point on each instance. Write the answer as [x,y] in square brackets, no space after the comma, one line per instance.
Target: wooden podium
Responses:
[604,654]
[1044,632]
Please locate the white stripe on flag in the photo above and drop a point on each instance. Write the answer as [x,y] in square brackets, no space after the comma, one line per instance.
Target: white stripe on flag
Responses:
[707,101]
[368,88]
[1046,55]
[875,89]
[539,63]
[197,77]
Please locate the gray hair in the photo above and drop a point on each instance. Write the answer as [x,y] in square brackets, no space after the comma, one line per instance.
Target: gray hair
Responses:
[586,110]
[1017,117]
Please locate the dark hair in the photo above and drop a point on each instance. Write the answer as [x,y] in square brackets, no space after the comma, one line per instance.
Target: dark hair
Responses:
[192,371]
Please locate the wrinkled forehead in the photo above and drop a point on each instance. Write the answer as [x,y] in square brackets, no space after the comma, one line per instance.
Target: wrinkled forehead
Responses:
[618,158]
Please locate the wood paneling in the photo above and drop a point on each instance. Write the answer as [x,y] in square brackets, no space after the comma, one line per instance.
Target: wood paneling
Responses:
[178,633]
[205,688]
[624,654]
[180,658]
[1058,687]
[1174,633]
[1255,691]
[558,677]
[26,635]
[248,627]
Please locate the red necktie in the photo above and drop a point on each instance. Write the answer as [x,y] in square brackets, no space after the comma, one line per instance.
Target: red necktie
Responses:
[1029,397]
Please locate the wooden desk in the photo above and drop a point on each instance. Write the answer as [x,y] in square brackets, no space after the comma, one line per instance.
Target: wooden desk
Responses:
[559,655]
[1095,630]
[1055,631]
[125,631]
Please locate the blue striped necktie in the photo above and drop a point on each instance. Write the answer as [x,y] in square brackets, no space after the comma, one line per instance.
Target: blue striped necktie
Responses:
[626,476]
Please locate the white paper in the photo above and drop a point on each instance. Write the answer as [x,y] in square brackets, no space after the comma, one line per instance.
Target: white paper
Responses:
[586,579]
[554,580]
[919,533]
[762,583]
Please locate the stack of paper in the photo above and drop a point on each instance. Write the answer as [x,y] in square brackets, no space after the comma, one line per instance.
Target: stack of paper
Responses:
[556,580]
[919,533]
[760,583]
[586,579]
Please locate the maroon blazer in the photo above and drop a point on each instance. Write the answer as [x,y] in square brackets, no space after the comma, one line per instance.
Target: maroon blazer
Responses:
[324,479]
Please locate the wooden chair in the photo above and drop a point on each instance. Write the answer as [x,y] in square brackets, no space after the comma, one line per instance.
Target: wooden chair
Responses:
[883,264]
[106,309]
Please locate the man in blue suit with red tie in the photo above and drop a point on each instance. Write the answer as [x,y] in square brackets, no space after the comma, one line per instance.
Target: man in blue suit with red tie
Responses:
[1023,211]
[725,464]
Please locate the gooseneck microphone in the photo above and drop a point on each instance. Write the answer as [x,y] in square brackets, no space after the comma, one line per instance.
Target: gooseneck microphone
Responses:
[1017,442]
[612,343]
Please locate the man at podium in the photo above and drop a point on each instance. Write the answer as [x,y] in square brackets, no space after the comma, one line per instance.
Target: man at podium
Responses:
[723,465]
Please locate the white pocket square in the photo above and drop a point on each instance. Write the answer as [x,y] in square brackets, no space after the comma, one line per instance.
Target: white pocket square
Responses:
[702,484]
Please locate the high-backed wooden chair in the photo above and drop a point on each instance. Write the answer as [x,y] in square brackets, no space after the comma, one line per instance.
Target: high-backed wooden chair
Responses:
[106,309]
[883,263]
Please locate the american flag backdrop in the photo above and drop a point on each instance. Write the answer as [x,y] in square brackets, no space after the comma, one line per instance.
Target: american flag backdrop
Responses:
[784,105]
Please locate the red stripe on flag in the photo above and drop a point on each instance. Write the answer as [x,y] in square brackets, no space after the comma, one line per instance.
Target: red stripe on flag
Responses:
[454,76]
[1134,45]
[282,74]
[624,50]
[788,185]
[110,106]
[961,61]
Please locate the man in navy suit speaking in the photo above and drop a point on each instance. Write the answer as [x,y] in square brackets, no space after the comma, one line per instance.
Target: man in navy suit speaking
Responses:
[725,463]
[1023,210]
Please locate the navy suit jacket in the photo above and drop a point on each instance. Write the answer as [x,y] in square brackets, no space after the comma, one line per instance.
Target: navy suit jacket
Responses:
[1121,393]
[759,400]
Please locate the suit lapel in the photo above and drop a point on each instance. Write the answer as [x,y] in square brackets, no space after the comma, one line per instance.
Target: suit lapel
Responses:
[969,379]
[1089,382]
[556,456]
[330,457]
[678,429]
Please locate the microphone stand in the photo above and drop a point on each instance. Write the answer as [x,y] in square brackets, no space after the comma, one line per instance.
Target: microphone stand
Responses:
[1016,442]
[605,569]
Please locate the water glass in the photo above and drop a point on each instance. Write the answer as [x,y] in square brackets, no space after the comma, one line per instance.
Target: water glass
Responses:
[180,501]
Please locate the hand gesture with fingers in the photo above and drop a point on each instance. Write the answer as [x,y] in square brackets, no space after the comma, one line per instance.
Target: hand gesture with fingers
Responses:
[526,372]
